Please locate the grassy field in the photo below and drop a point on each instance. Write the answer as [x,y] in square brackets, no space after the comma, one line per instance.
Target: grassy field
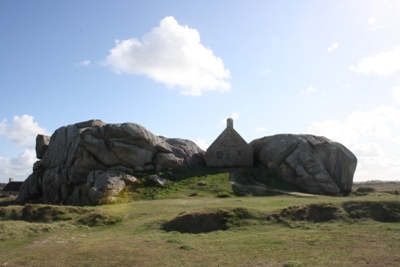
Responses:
[278,230]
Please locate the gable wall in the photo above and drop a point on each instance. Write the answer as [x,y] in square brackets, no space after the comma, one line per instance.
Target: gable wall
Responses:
[229,150]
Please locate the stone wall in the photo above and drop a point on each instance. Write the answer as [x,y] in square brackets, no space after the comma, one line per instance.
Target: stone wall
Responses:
[229,150]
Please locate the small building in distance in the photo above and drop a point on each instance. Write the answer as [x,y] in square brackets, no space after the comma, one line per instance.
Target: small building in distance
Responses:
[12,188]
[229,150]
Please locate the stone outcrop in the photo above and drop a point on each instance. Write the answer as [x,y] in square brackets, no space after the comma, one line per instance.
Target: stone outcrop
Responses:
[314,163]
[88,163]
[42,143]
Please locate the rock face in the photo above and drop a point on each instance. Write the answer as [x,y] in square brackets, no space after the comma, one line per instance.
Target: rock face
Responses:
[314,163]
[88,163]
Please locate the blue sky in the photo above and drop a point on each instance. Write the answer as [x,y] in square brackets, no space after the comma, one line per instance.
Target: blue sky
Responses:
[180,68]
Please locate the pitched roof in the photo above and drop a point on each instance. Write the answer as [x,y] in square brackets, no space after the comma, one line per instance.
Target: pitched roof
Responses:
[13,186]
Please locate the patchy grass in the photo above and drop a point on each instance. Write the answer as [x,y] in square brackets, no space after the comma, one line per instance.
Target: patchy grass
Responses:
[182,182]
[381,211]
[36,213]
[253,236]
[195,221]
[7,201]
[318,212]
[213,220]
[377,189]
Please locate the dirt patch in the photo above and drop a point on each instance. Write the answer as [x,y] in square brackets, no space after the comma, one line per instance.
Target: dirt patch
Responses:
[44,214]
[382,211]
[208,221]
[321,212]
[197,223]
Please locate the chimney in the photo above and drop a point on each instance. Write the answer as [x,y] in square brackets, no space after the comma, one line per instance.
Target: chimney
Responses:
[10,180]
[229,123]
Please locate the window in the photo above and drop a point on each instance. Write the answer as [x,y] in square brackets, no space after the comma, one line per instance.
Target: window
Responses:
[219,155]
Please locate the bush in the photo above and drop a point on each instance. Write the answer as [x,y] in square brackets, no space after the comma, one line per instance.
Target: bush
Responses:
[365,190]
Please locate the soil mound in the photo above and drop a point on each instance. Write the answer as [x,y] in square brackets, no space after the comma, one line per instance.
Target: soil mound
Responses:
[208,221]
[382,211]
[197,223]
[321,212]
[48,213]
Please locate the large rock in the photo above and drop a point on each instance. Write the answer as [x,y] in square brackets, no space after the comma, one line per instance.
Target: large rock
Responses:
[87,163]
[42,143]
[314,163]
[191,153]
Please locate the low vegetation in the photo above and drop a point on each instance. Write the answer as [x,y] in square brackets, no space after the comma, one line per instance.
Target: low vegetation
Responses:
[182,182]
[189,223]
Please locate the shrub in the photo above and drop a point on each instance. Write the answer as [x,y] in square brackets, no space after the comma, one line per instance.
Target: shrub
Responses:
[365,190]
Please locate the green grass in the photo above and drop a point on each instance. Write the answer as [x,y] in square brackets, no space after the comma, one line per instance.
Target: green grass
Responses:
[182,182]
[280,230]
[249,239]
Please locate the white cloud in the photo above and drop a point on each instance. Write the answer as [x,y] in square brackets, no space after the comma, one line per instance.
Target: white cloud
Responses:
[367,150]
[377,168]
[202,143]
[19,167]
[396,94]
[23,131]
[308,90]
[85,63]
[377,123]
[371,20]
[332,47]
[396,140]
[383,64]
[171,54]
[25,159]
[234,116]
[357,132]
[335,130]
[260,129]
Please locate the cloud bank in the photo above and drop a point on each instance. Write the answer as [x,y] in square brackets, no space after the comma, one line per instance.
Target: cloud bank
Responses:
[396,94]
[22,133]
[19,167]
[380,122]
[383,64]
[171,54]
[307,91]
[85,63]
[360,131]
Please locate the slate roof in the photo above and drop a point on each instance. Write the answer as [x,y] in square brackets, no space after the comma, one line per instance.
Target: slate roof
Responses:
[13,186]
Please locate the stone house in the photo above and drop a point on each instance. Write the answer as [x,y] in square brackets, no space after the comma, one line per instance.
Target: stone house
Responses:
[229,150]
[12,188]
